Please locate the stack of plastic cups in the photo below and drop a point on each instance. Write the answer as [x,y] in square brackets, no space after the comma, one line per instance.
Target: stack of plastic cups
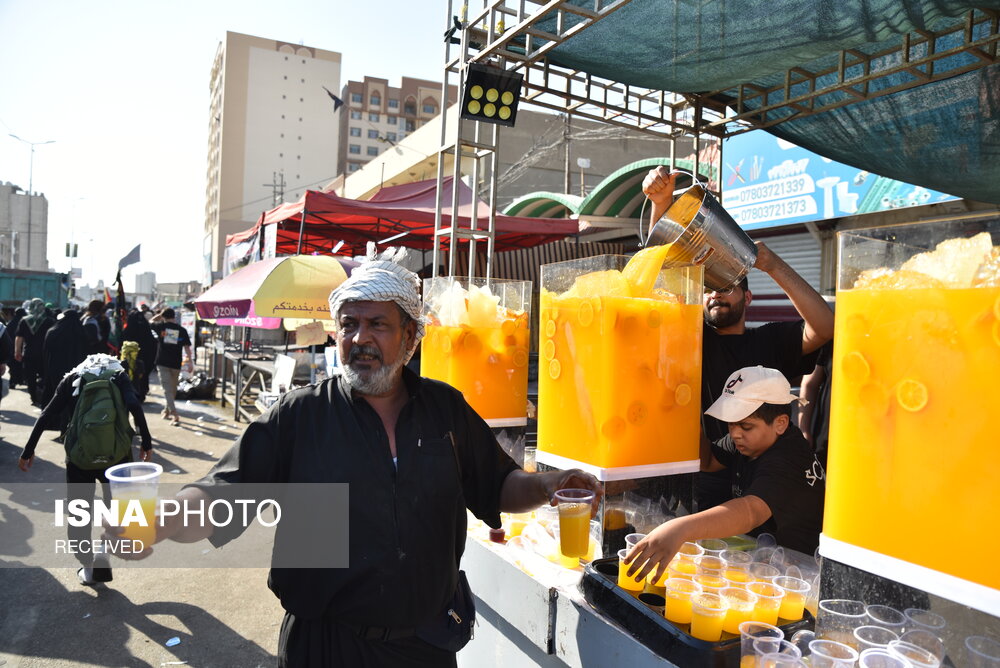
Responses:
[838,618]
[880,658]
[873,637]
[917,656]
[926,640]
[917,618]
[886,617]
[981,652]
[831,654]
[749,633]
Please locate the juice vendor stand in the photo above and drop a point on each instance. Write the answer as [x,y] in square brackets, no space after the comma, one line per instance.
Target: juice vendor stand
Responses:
[909,97]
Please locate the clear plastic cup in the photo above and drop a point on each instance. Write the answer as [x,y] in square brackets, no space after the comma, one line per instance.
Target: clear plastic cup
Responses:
[713,584]
[737,559]
[982,652]
[886,617]
[708,564]
[763,571]
[769,597]
[690,551]
[574,521]
[678,593]
[751,631]
[739,579]
[918,618]
[917,656]
[530,458]
[713,546]
[740,604]
[708,612]
[682,568]
[794,602]
[880,658]
[929,641]
[629,584]
[831,654]
[873,637]
[838,617]
[763,646]
[136,483]
[633,538]
[779,661]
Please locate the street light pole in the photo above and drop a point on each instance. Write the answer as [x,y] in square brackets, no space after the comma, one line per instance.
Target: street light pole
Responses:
[31,175]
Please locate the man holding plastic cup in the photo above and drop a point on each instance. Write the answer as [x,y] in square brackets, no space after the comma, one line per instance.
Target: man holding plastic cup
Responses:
[777,483]
[417,455]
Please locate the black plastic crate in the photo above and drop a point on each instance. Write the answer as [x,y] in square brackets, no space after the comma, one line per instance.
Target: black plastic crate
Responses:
[600,588]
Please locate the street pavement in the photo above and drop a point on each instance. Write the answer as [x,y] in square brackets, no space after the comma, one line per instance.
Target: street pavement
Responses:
[222,617]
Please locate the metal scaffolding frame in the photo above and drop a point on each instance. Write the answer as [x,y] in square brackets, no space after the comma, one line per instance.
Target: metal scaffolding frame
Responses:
[506,33]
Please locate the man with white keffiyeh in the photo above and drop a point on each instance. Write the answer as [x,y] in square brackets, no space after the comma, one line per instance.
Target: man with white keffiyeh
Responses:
[415,455]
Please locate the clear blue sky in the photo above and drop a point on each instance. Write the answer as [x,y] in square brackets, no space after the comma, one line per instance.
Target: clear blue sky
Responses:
[122,89]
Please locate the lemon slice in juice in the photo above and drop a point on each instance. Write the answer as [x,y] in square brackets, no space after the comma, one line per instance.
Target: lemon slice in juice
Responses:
[911,394]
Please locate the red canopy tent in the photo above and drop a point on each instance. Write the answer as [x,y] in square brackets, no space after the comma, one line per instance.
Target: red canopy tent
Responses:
[398,215]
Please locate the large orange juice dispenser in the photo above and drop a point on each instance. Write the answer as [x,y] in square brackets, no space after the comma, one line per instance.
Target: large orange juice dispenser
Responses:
[477,340]
[619,372]
[912,487]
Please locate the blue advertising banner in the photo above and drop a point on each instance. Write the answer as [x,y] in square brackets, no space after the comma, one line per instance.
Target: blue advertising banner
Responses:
[767,182]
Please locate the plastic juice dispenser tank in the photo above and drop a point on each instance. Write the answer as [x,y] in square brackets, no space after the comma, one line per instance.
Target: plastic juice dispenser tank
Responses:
[620,361]
[917,356]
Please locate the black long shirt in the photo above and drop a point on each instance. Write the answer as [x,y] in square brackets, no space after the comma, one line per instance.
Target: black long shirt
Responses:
[407,524]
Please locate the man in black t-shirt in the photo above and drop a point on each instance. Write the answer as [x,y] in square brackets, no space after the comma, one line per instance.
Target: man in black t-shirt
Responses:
[173,344]
[728,344]
[777,483]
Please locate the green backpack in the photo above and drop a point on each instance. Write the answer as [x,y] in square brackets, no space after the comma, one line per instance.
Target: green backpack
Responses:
[99,433]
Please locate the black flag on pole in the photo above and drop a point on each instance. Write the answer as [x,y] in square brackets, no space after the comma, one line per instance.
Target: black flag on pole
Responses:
[131,258]
[337,102]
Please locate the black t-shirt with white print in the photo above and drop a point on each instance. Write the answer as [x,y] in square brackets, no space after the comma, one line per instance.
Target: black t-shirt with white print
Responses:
[789,479]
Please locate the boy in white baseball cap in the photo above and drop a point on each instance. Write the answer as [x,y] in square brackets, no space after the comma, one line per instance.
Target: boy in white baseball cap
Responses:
[777,483]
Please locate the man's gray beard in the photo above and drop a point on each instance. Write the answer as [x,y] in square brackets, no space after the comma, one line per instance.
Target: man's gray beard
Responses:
[379,382]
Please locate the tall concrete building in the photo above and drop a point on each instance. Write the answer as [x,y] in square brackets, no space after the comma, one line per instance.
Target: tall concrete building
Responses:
[24,229]
[273,132]
[376,116]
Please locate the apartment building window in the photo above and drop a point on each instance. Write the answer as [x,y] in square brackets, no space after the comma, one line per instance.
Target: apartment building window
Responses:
[373,117]
[410,126]
[391,120]
[430,109]
[356,98]
[355,132]
[410,108]
[375,100]
[353,167]
[355,114]
[390,136]
[373,134]
[373,150]
[354,148]
[393,104]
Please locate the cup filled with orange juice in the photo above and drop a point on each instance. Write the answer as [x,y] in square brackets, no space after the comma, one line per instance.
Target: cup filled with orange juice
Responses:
[794,601]
[740,605]
[708,612]
[134,486]
[477,340]
[633,585]
[619,364]
[768,604]
[574,521]
[678,593]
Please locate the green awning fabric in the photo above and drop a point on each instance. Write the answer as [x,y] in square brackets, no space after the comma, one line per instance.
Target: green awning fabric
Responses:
[943,135]
[544,204]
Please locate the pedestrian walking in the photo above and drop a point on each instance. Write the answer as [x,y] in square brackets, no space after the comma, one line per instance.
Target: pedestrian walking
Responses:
[29,344]
[173,345]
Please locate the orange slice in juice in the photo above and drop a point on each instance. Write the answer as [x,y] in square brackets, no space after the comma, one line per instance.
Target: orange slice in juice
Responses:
[636,412]
[508,327]
[654,319]
[549,349]
[683,394]
[445,343]
[911,394]
[550,328]
[855,367]
[555,369]
[874,398]
[613,428]
[472,343]
[586,314]
[520,358]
